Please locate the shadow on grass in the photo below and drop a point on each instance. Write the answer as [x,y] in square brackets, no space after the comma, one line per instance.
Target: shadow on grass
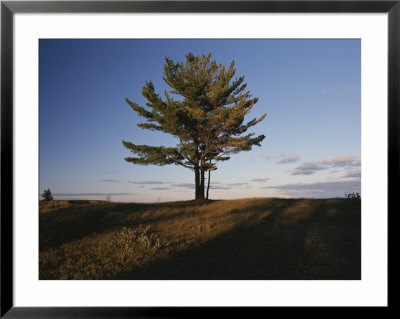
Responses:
[83,219]
[274,239]
[324,243]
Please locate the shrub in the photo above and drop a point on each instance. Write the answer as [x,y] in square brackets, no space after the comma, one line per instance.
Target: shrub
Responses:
[352,196]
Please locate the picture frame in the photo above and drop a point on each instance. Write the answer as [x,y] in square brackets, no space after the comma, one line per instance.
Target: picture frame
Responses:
[9,8]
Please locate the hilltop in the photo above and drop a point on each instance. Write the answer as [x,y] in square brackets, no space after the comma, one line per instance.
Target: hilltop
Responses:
[261,238]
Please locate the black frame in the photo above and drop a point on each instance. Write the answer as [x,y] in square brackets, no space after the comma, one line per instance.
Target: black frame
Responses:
[8,8]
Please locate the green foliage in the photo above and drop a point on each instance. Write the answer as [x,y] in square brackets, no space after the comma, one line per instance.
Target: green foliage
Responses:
[47,196]
[204,110]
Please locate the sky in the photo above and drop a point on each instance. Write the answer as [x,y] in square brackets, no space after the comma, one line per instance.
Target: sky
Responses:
[310,90]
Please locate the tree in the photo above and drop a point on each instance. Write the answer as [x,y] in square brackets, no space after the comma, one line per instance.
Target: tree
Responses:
[204,110]
[47,196]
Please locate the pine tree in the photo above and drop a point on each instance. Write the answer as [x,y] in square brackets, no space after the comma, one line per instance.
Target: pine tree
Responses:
[47,196]
[204,109]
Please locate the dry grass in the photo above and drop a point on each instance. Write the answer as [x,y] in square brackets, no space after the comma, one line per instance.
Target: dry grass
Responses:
[234,239]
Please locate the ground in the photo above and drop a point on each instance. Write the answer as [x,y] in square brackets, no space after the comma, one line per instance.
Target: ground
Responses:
[258,239]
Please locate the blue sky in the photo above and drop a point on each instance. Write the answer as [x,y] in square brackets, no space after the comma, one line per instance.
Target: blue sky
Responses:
[310,90]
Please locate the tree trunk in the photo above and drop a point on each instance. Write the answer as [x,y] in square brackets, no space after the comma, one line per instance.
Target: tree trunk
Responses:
[199,181]
[202,182]
[208,183]
[196,182]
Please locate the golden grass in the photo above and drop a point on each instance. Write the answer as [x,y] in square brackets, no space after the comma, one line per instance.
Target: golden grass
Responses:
[263,238]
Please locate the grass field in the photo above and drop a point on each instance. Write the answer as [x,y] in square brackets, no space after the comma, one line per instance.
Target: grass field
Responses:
[263,238]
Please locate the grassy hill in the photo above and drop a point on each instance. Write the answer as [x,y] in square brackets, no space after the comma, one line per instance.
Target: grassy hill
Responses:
[264,238]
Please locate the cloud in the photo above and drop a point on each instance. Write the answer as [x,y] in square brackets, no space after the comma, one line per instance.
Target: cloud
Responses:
[348,160]
[353,174]
[288,159]
[147,182]
[184,185]
[237,184]
[318,189]
[110,181]
[283,158]
[309,168]
[90,194]
[159,188]
[259,180]
[230,186]
[219,187]
[216,185]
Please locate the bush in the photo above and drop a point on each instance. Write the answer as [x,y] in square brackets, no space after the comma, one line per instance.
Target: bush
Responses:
[352,196]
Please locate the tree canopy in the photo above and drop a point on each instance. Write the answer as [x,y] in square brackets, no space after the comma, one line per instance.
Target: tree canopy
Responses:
[47,196]
[204,110]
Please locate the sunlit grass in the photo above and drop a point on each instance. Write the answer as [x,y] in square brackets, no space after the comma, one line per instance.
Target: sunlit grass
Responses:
[263,238]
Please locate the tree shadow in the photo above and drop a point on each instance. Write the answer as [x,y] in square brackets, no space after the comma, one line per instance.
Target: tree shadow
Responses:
[276,239]
[66,224]
[273,248]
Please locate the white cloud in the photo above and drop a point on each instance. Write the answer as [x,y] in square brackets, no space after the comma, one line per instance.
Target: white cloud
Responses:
[318,189]
[309,168]
[348,160]
[283,158]
[288,159]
